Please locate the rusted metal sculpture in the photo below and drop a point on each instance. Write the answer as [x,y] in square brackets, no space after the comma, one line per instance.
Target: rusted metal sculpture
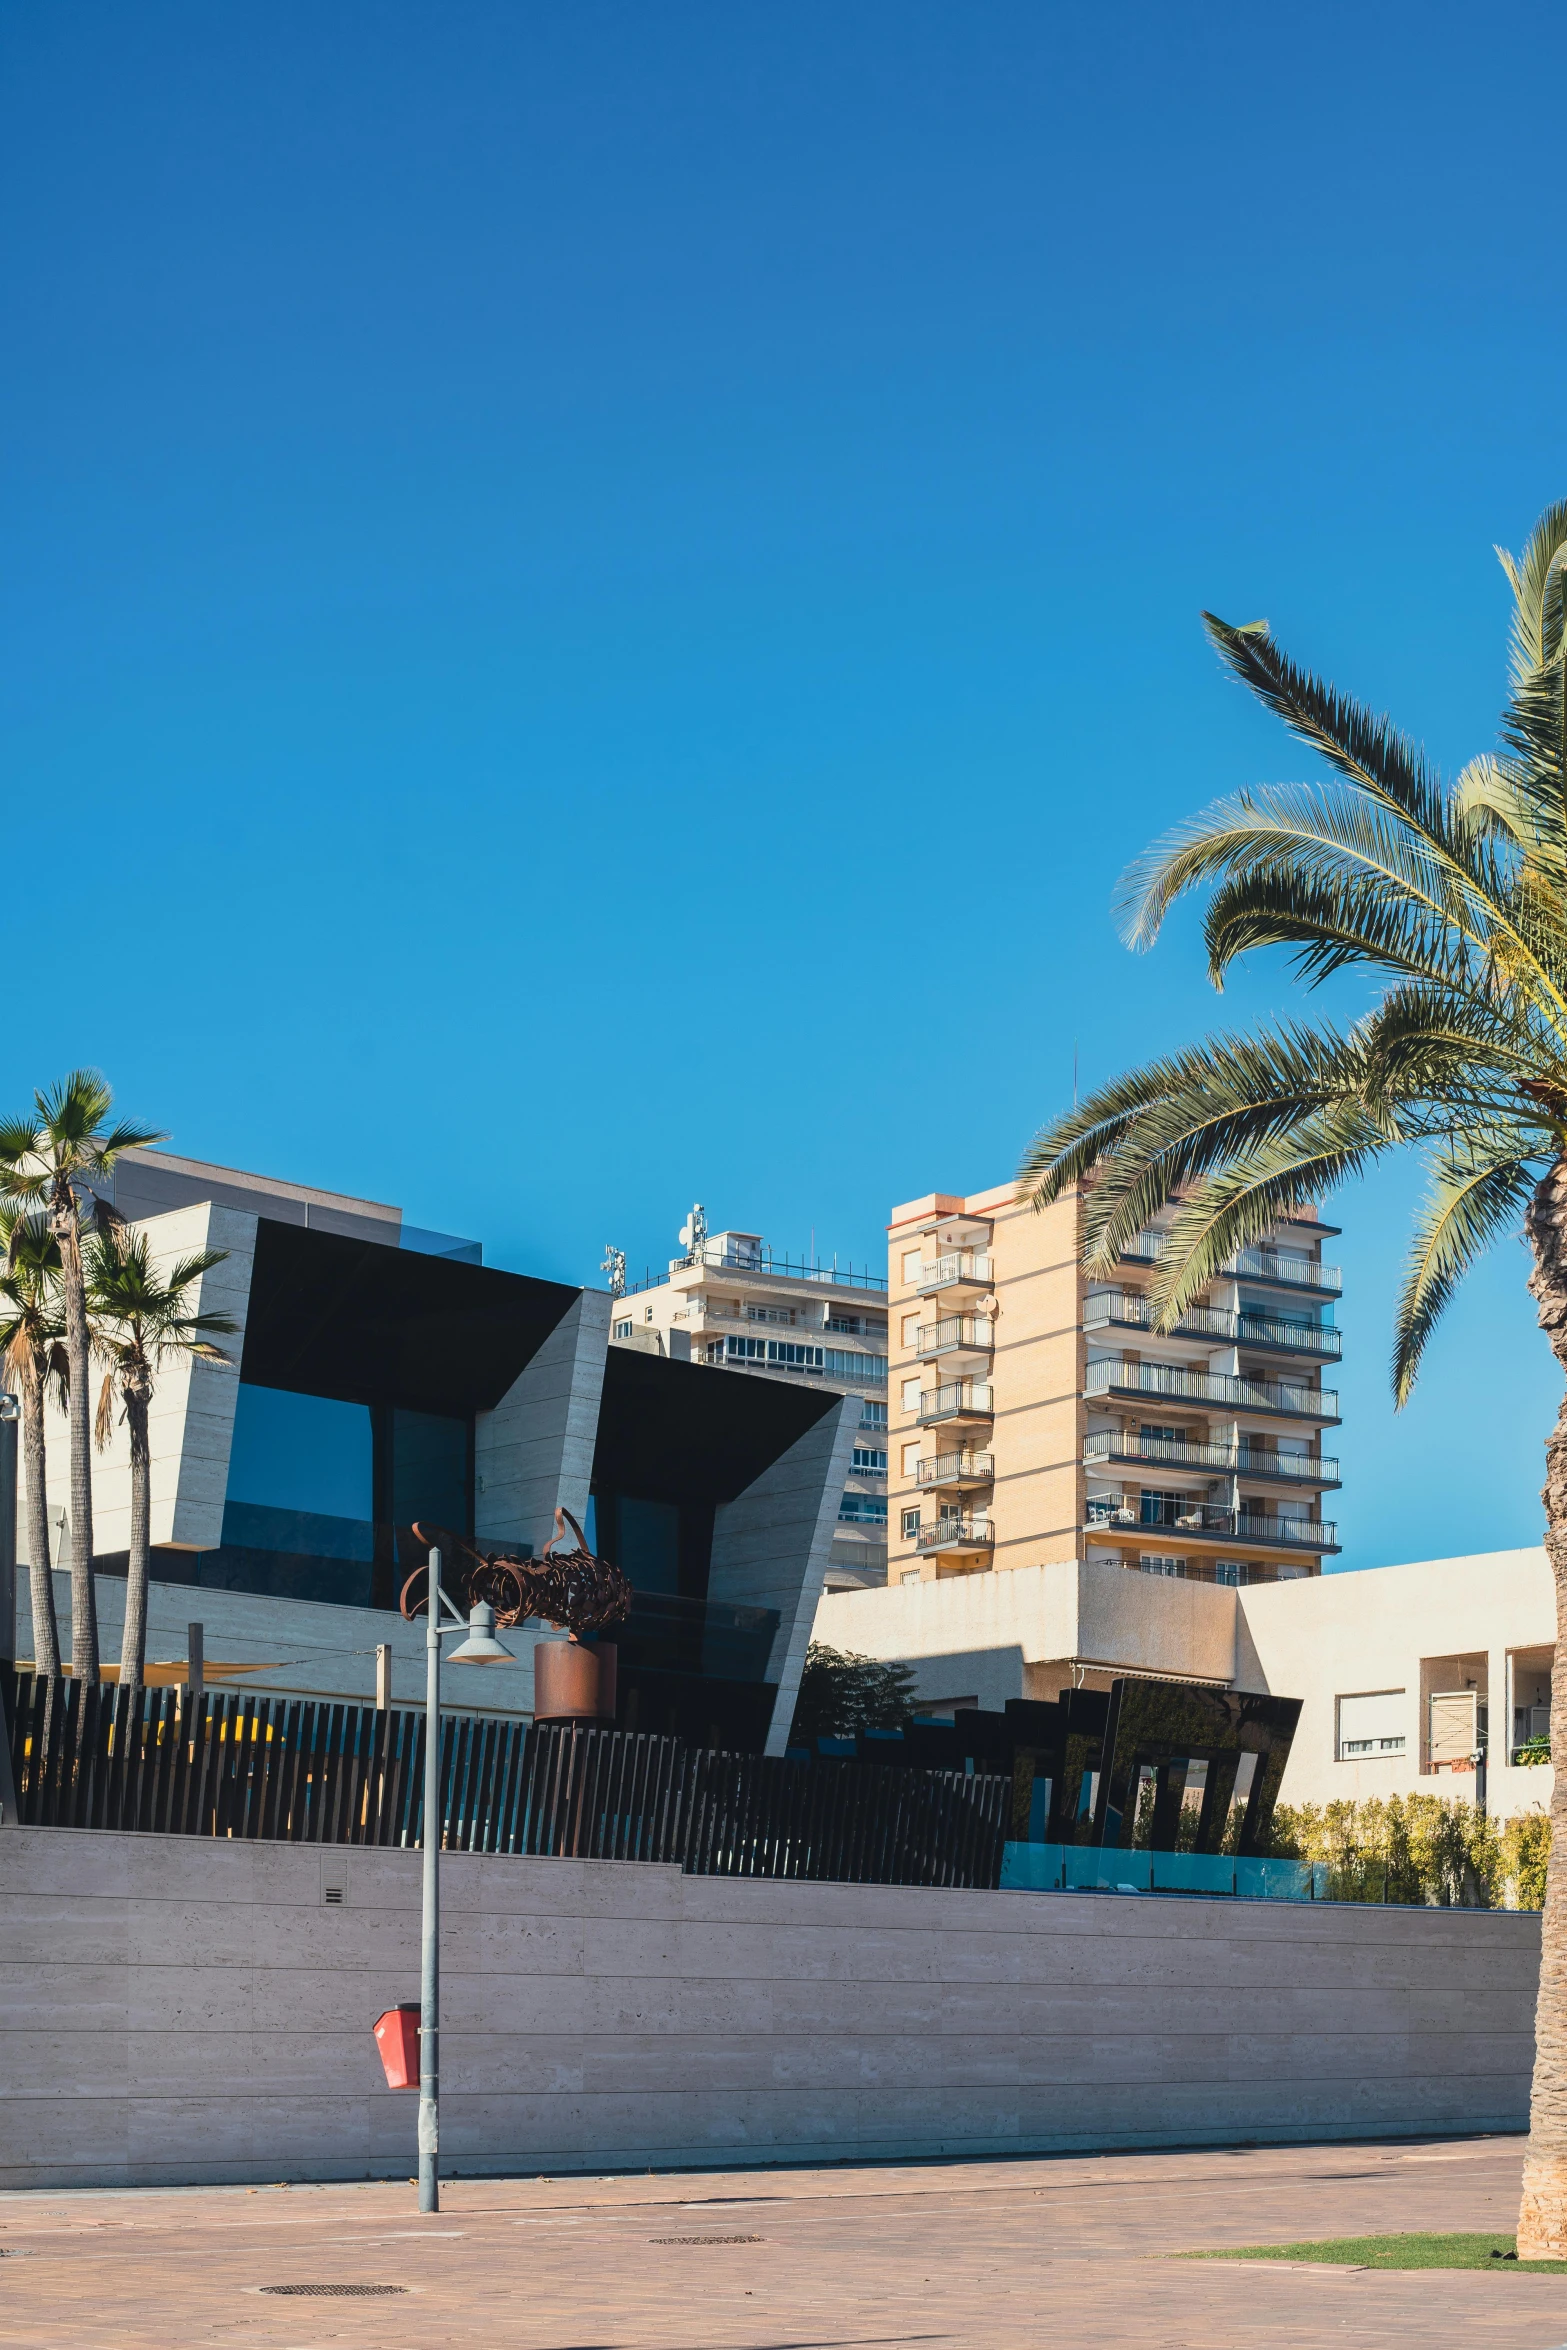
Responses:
[572,1589]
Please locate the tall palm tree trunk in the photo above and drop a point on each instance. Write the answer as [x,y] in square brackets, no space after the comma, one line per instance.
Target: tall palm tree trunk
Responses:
[73,1294]
[1542,2218]
[133,1639]
[46,1634]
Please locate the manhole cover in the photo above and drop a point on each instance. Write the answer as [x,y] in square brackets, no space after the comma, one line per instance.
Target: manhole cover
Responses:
[707,2239]
[334,2292]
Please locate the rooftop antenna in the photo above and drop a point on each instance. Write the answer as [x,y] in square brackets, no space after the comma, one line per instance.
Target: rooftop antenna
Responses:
[693,1234]
[614,1266]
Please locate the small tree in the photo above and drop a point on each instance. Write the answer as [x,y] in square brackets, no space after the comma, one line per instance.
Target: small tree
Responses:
[30,1342]
[140,1316]
[50,1159]
[842,1694]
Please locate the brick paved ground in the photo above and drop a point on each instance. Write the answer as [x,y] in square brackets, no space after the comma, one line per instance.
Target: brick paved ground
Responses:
[1072,2252]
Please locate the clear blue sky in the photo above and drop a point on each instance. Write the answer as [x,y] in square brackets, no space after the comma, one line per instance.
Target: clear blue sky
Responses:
[595,597]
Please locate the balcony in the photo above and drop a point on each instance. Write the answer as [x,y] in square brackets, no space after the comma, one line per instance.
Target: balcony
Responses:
[1111,1310]
[959,1399]
[1231,1460]
[955,1472]
[1289,1270]
[1178,1385]
[961,1272]
[955,1537]
[967,1339]
[1206,1522]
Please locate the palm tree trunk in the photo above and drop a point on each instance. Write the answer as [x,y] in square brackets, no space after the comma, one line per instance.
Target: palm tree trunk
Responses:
[46,1633]
[133,1640]
[73,1292]
[1542,2217]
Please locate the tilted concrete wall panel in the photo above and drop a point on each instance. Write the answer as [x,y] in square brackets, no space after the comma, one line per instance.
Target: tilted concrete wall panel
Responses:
[771,1546]
[534,1451]
[191,1421]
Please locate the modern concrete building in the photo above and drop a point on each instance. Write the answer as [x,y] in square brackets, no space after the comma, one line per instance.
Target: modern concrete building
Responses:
[729,1302]
[382,1375]
[1405,1673]
[1037,1417]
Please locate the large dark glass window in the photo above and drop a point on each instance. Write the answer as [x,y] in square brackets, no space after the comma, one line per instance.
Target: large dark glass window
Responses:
[301,1475]
[649,1534]
[430,1470]
[317,1490]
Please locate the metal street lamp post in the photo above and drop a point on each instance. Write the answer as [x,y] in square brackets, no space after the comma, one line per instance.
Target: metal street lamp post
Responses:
[480,1648]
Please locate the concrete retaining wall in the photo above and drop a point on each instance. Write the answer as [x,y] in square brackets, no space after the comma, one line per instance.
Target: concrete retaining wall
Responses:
[174,2011]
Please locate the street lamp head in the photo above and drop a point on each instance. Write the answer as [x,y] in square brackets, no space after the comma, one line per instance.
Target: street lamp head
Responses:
[481,1646]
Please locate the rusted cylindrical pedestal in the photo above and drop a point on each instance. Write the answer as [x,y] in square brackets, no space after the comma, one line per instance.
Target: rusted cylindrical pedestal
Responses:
[573,1683]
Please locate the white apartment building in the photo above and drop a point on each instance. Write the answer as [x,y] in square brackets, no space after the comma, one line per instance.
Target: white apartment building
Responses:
[1406,1674]
[728,1301]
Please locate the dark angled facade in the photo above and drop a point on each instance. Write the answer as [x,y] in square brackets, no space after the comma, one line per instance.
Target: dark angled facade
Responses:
[382,1376]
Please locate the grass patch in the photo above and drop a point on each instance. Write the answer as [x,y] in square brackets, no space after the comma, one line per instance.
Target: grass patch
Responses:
[1411,2251]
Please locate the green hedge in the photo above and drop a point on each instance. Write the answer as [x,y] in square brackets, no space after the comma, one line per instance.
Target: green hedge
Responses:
[1420,1848]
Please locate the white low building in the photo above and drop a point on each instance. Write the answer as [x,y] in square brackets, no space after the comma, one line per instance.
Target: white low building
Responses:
[1405,1673]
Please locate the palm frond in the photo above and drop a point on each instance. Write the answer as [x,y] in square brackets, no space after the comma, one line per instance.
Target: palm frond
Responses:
[1456,896]
[1364,749]
[1241,1201]
[1473,1199]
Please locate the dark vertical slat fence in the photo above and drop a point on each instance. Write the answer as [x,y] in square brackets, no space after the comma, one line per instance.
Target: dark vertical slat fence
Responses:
[279,1769]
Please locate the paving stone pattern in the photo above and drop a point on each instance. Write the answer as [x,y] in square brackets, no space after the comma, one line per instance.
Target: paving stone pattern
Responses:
[1075,2251]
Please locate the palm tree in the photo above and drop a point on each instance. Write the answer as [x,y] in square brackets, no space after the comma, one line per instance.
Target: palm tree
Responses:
[1455,895]
[50,1159]
[30,1333]
[140,1316]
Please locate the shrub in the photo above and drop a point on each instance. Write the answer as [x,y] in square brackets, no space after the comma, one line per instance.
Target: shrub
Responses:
[842,1694]
[1419,1848]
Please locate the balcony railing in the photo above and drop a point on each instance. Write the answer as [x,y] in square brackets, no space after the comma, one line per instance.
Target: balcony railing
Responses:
[1215,1387]
[955,1334]
[764,1265]
[956,1468]
[1206,1521]
[1265,1264]
[955,1534]
[1253,1264]
[958,1399]
[1234,1460]
[1111,1310]
[959,1269]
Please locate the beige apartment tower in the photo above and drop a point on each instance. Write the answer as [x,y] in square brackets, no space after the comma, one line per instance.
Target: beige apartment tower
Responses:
[1036,1417]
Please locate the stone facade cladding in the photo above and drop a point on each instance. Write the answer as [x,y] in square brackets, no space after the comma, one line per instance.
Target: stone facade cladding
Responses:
[182,2012]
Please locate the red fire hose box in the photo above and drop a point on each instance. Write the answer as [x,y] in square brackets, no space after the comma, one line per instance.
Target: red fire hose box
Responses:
[397,2038]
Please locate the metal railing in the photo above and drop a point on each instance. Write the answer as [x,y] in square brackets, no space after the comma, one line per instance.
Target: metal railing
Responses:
[1242,1460]
[1265,1264]
[957,1397]
[777,1366]
[957,1468]
[970,1333]
[1256,1264]
[764,1266]
[1115,1310]
[1169,1516]
[1218,1387]
[955,1534]
[962,1264]
[157,1762]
